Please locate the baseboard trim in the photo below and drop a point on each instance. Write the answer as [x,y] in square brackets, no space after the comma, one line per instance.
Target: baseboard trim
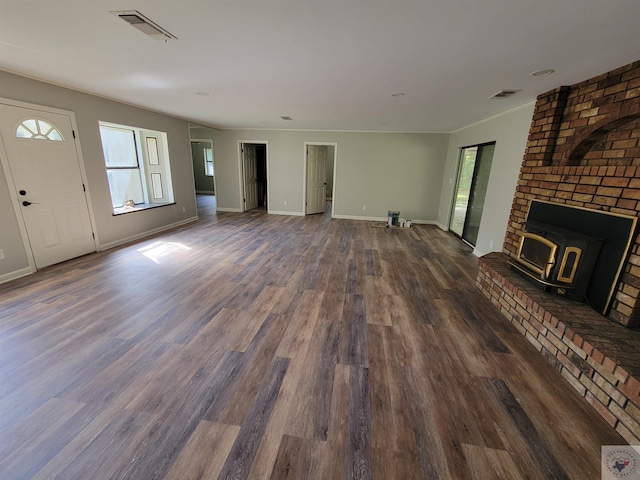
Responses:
[138,236]
[23,272]
[232,210]
[292,214]
[424,222]
[354,217]
[383,219]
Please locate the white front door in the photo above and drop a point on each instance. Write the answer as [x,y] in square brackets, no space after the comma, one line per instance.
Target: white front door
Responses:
[316,178]
[250,167]
[45,167]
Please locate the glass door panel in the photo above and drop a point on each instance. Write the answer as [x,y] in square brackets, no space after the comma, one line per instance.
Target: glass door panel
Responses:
[478,193]
[463,189]
[471,191]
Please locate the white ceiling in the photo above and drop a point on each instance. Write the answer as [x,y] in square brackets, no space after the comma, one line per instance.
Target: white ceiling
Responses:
[329,64]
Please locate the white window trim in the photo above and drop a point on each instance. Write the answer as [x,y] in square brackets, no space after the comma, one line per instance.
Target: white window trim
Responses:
[206,162]
[146,169]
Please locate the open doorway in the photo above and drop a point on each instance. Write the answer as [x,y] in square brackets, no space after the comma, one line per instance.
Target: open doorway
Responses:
[319,168]
[253,162]
[203,166]
[204,177]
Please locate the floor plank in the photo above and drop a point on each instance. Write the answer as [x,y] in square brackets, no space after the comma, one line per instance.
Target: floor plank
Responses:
[204,454]
[240,458]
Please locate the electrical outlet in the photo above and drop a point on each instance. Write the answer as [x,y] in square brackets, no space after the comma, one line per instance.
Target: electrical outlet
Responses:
[184,209]
[490,243]
[364,207]
[1,254]
[285,203]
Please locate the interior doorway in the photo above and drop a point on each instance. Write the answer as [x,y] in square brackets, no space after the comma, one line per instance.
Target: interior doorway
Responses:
[253,161]
[471,189]
[203,166]
[319,168]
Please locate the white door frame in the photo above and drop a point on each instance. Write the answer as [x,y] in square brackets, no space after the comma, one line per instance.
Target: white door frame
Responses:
[11,184]
[304,174]
[241,170]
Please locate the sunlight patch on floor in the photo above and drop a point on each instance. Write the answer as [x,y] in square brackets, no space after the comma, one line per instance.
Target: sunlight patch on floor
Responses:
[161,250]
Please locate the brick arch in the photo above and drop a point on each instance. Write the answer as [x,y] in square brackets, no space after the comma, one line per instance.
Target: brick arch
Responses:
[576,149]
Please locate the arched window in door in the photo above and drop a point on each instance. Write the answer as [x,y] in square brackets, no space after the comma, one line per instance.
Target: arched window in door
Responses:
[38,130]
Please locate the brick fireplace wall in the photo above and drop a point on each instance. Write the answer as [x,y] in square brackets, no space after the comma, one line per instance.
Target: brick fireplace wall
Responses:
[584,150]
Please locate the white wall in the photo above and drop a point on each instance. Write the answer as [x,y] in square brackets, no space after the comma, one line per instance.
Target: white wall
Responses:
[15,258]
[88,110]
[384,171]
[510,131]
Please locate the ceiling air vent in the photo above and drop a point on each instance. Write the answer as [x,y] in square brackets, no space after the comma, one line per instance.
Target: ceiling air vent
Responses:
[504,93]
[142,23]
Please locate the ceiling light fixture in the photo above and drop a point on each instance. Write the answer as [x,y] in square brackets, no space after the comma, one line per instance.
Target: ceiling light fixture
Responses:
[398,94]
[542,73]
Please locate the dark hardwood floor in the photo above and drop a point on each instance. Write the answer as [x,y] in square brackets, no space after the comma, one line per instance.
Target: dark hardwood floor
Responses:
[264,346]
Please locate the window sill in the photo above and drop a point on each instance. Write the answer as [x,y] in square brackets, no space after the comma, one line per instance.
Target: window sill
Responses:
[139,207]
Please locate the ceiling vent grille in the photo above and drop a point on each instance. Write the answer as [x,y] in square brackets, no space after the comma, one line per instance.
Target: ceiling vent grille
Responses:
[142,23]
[504,93]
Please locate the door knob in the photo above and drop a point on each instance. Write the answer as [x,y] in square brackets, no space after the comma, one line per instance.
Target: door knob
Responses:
[22,192]
[26,203]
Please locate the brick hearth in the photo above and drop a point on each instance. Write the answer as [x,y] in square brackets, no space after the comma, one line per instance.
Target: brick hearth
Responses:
[597,357]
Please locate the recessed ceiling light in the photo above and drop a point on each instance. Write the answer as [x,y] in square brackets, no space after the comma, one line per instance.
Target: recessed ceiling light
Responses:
[398,94]
[542,73]
[202,94]
[286,117]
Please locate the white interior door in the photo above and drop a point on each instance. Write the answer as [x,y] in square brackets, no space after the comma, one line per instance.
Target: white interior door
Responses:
[316,178]
[45,168]
[250,167]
